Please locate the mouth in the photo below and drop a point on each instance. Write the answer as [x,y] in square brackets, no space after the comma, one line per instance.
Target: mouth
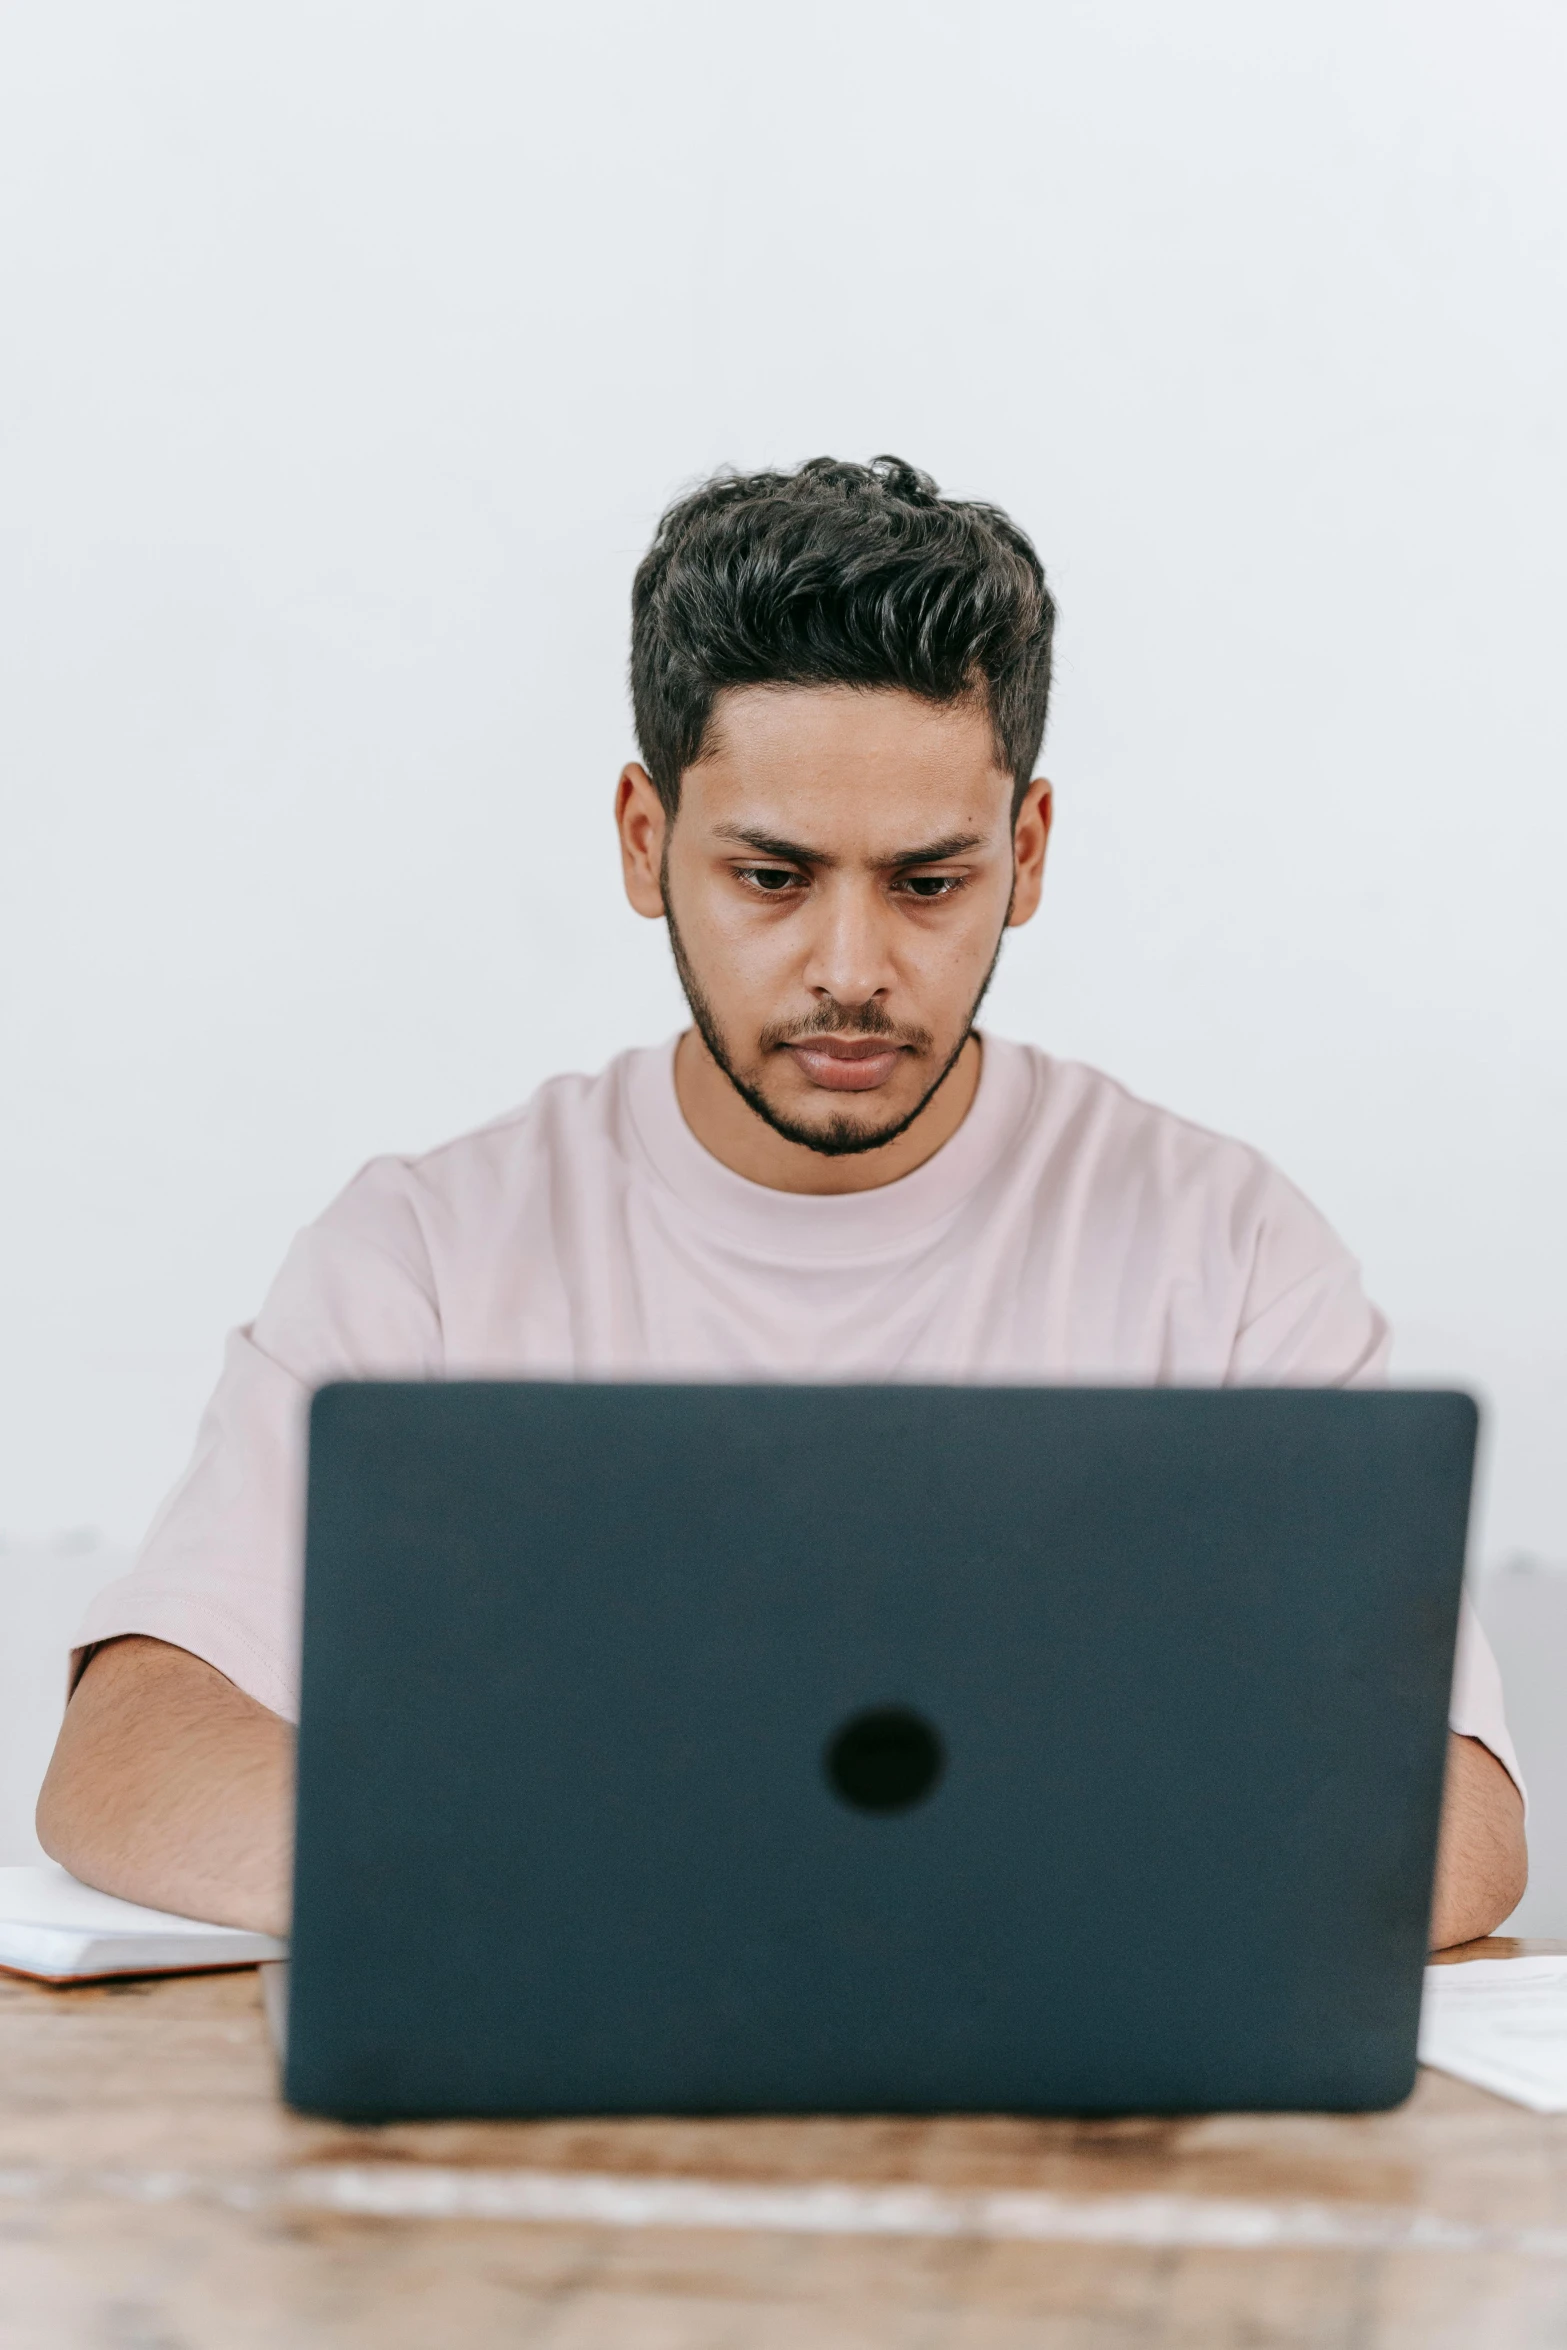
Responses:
[846,1064]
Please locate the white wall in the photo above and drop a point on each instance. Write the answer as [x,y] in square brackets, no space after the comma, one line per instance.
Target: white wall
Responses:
[349,352]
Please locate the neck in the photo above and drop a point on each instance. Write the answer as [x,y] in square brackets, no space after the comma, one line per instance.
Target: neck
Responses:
[730,1129]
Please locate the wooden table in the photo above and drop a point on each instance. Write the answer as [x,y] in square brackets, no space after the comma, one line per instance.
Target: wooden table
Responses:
[154,2195]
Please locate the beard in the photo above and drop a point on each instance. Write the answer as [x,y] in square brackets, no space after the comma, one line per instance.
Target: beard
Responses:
[842,1136]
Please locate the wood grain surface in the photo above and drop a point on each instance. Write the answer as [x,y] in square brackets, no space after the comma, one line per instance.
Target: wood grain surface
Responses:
[155,2195]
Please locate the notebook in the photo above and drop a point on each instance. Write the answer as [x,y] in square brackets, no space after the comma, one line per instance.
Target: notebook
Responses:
[1501,2023]
[61,1931]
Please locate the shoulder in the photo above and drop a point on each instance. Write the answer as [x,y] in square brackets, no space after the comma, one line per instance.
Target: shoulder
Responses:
[409,1223]
[569,1122]
[1079,1114]
[1206,1220]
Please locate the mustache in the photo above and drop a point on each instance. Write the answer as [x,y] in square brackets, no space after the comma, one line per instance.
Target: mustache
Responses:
[835,1019]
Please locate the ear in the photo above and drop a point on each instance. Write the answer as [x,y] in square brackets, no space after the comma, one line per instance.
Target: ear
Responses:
[642,825]
[1030,839]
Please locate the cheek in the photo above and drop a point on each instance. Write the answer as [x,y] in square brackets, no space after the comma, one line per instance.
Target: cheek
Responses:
[963,938]
[757,966]
[736,950]
[749,936]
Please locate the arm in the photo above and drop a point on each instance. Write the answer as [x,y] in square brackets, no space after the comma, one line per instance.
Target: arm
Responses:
[1307,1320]
[1482,1865]
[172,1787]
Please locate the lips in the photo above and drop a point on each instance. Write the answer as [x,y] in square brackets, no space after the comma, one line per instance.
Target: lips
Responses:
[846,1064]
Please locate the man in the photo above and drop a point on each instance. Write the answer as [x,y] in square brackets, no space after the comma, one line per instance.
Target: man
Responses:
[840,683]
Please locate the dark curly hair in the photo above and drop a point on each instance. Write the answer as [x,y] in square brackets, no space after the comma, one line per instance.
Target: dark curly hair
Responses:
[837,574]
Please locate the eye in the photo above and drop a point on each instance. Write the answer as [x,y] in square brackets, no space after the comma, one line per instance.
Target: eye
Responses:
[928,887]
[771,880]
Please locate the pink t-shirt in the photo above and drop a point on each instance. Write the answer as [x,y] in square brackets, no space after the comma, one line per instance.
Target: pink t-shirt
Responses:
[1067,1231]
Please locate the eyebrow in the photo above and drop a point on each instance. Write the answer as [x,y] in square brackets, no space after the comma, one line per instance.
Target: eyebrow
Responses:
[794,852]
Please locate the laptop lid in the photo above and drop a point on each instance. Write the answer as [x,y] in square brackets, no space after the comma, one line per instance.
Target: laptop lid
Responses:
[696,1749]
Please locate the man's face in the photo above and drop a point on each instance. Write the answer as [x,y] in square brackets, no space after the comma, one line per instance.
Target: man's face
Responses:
[837,881]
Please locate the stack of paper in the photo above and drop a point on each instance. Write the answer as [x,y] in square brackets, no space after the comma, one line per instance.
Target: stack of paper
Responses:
[56,1928]
[1501,2023]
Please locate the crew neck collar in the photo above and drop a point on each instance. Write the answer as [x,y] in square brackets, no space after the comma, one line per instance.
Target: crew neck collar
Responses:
[833,1225]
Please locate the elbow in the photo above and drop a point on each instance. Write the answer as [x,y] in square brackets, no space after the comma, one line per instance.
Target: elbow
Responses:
[1504,1877]
[1486,1902]
[1483,1857]
[1513,1878]
[62,1820]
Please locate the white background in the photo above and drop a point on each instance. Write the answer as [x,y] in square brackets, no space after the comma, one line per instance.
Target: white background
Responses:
[349,354]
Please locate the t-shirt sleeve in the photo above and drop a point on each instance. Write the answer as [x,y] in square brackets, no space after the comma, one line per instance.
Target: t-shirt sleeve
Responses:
[1307,1318]
[220,1571]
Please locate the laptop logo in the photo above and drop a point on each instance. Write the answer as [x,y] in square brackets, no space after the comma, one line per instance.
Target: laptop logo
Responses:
[886,1759]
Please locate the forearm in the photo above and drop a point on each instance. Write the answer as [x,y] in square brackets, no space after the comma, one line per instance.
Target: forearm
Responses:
[1482,1862]
[172,1787]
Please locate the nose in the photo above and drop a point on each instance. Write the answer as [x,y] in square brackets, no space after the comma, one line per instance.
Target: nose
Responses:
[850,952]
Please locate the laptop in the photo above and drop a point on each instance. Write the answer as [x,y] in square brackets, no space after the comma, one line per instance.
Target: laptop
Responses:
[869,1749]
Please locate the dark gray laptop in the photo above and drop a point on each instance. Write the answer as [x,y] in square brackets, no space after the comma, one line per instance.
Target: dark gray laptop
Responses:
[676,1749]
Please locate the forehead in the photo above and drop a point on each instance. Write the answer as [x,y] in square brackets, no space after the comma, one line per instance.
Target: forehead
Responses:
[848,768]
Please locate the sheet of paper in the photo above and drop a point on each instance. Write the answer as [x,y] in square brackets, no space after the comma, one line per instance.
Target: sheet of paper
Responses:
[53,1926]
[1501,2023]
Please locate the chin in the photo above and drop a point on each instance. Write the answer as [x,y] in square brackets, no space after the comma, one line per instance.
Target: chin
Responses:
[827,1123]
